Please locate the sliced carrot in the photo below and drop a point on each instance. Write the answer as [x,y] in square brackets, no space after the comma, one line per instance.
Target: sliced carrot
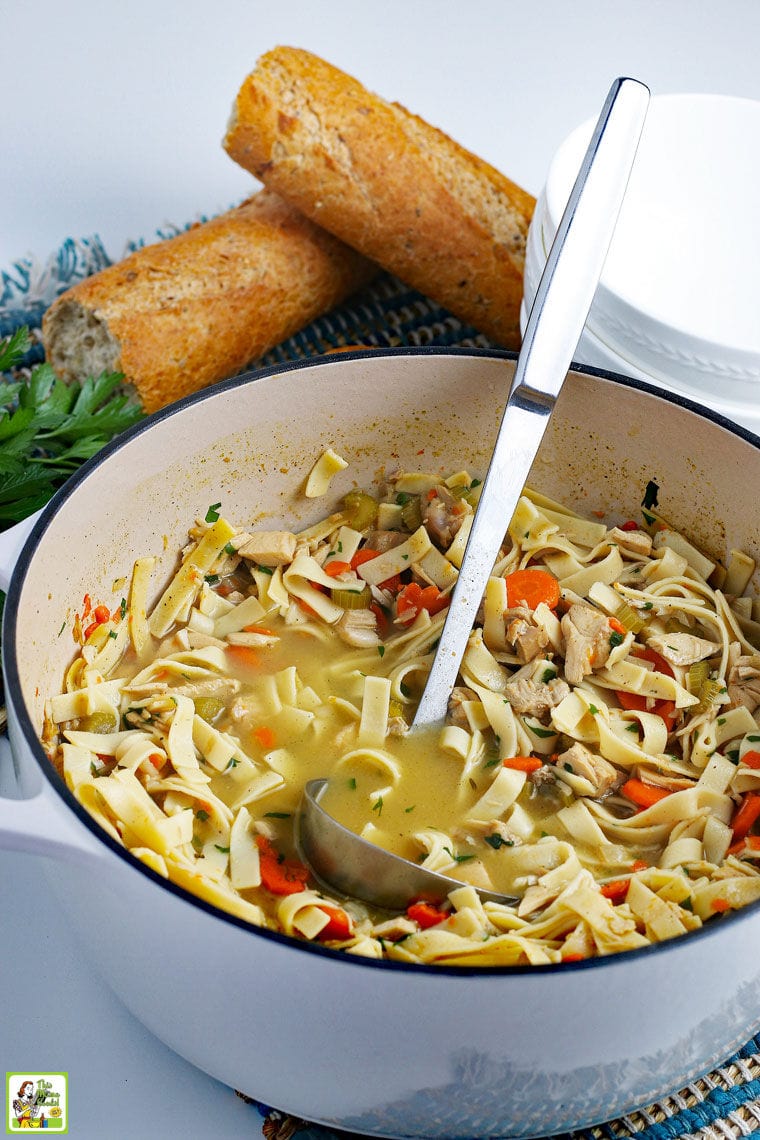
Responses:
[661,664]
[338,928]
[635,702]
[365,554]
[413,598]
[307,609]
[334,568]
[746,815]
[425,914]
[86,606]
[532,586]
[573,957]
[630,525]
[617,626]
[382,618]
[616,890]
[244,655]
[258,629]
[645,795]
[751,759]
[408,600]
[265,736]
[523,763]
[720,905]
[100,615]
[639,865]
[279,875]
[749,843]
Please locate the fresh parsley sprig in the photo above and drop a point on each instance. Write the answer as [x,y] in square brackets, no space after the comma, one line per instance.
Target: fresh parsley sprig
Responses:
[48,428]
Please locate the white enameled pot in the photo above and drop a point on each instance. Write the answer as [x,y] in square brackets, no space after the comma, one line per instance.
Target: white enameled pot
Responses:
[374,1047]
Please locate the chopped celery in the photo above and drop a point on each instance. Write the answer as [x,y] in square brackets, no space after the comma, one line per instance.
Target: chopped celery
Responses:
[698,674]
[628,617]
[351,599]
[463,491]
[411,514]
[709,694]
[361,509]
[102,721]
[208,708]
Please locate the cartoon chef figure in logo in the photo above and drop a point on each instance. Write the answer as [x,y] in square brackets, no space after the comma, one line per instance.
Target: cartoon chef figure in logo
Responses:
[26,1106]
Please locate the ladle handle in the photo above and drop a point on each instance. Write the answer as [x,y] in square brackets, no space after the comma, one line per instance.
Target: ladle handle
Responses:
[556,320]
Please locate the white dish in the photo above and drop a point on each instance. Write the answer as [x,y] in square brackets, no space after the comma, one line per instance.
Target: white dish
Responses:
[678,295]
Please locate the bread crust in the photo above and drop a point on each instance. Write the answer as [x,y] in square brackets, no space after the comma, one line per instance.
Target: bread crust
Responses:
[387,183]
[183,313]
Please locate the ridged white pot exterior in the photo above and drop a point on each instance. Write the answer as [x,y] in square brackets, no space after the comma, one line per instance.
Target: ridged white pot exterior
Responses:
[370,1046]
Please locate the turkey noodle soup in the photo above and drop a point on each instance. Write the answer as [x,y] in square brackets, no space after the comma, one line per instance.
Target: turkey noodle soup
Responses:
[601,756]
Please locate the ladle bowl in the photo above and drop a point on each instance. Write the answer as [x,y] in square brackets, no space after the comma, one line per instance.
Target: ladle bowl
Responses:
[345,861]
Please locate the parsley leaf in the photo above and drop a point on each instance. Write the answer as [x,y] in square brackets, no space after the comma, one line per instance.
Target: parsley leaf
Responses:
[48,428]
[496,841]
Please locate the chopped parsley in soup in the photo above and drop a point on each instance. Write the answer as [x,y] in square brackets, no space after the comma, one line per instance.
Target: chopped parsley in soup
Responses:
[600,760]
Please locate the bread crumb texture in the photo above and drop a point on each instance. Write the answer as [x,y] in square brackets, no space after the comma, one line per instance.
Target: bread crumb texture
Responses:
[388,184]
[183,313]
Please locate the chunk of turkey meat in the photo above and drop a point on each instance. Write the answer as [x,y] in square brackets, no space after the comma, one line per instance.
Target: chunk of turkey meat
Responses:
[587,641]
[382,540]
[442,517]
[535,698]
[456,713]
[524,634]
[270,547]
[636,542]
[578,760]
[743,678]
[358,628]
[682,648]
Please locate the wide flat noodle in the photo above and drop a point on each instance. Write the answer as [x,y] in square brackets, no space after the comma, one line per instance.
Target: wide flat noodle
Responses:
[614,798]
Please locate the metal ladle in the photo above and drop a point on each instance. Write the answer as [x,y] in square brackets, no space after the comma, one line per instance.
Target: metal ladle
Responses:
[341,859]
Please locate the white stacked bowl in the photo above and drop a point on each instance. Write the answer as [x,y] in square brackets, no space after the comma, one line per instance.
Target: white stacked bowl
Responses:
[678,301]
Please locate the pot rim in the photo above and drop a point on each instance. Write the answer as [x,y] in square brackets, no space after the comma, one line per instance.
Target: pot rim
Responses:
[56,782]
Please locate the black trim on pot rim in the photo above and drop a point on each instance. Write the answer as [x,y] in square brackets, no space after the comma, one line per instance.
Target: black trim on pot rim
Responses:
[12,679]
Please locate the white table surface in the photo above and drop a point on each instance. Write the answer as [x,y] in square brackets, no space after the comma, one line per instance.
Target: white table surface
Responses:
[111,124]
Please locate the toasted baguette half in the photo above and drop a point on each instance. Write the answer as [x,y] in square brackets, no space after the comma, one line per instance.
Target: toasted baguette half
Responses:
[387,183]
[183,313]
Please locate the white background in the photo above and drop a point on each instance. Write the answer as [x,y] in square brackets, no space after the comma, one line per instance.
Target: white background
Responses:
[111,123]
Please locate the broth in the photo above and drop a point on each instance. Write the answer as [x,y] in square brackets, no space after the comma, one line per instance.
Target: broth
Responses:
[600,760]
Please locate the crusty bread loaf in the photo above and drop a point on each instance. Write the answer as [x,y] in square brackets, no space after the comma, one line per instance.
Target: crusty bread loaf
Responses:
[387,183]
[183,313]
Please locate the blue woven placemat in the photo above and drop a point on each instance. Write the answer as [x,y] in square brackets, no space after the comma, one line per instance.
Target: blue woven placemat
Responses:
[723,1105]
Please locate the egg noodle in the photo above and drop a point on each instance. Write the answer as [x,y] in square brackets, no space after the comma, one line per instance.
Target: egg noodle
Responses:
[600,760]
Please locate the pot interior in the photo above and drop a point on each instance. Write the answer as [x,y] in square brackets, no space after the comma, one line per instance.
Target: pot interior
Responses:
[251,443]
